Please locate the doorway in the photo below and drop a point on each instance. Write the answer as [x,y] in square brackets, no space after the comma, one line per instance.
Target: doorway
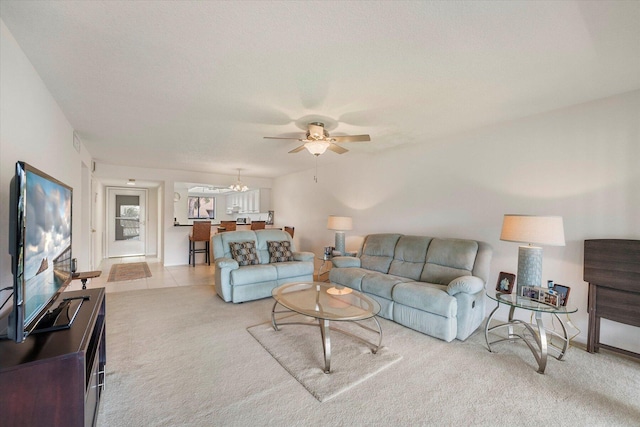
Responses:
[126,222]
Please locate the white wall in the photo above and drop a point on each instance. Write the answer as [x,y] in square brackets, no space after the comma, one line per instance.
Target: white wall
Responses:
[34,129]
[582,163]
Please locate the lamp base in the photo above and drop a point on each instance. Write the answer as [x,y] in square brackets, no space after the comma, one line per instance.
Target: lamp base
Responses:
[529,267]
[340,242]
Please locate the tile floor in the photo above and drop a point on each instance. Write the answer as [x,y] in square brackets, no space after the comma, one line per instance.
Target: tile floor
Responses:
[161,277]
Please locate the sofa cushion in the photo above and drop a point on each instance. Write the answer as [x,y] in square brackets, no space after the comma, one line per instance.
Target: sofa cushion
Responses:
[221,248]
[349,276]
[244,253]
[280,251]
[251,274]
[287,269]
[381,284]
[409,257]
[448,259]
[270,235]
[377,251]
[426,297]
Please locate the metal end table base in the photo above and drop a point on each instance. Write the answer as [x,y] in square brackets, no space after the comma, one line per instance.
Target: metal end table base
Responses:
[540,345]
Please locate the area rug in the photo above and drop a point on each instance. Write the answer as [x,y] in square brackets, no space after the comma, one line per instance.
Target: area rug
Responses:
[132,271]
[298,348]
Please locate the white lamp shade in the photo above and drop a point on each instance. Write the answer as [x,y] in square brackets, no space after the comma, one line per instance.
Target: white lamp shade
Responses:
[339,223]
[533,229]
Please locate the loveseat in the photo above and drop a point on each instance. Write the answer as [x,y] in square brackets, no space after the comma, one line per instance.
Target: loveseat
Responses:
[435,286]
[251,271]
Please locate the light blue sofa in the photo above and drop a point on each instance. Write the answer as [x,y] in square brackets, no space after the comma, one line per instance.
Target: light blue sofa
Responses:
[435,286]
[235,283]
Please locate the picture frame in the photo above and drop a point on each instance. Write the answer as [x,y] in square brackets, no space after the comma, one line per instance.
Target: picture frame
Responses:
[563,294]
[531,292]
[505,282]
[549,298]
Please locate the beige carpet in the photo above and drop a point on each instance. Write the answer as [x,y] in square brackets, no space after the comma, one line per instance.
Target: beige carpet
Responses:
[298,348]
[183,357]
[131,271]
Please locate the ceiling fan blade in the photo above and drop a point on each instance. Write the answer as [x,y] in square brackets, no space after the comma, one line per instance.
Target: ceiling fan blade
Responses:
[280,137]
[297,150]
[336,148]
[352,138]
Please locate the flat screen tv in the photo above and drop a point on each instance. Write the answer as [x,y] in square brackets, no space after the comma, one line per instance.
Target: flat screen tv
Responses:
[40,247]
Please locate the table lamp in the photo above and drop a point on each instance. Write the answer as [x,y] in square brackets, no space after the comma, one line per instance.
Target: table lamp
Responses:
[533,230]
[339,224]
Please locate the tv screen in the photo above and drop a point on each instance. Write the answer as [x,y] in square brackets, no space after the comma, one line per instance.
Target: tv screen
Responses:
[40,246]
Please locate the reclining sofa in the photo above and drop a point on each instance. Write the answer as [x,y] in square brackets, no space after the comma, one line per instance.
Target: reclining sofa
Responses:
[247,270]
[435,286]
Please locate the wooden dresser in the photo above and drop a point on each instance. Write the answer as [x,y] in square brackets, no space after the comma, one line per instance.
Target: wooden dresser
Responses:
[612,269]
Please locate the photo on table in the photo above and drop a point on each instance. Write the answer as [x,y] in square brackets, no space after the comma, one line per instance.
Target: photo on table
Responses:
[563,294]
[505,282]
[531,293]
[549,298]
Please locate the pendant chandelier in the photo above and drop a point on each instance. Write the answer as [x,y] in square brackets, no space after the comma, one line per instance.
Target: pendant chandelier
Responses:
[238,186]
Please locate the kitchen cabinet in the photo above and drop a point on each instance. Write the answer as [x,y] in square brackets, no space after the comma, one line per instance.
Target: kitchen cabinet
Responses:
[252,201]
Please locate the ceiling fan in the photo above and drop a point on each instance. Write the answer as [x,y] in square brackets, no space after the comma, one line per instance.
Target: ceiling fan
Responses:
[317,140]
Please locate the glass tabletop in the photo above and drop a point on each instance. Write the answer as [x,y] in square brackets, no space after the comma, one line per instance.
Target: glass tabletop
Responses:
[326,301]
[529,304]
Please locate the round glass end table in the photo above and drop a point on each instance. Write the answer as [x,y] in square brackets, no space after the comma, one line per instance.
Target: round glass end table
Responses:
[537,341]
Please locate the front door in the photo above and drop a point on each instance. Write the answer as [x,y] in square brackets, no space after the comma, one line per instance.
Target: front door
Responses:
[126,222]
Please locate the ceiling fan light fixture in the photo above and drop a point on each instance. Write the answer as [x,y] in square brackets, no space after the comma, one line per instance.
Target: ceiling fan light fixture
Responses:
[317,140]
[238,186]
[316,147]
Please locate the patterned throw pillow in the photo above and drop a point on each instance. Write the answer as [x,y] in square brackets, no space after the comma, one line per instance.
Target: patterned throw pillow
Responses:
[280,251]
[244,252]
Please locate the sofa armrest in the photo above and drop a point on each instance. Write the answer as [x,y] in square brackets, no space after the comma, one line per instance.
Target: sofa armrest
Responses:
[303,256]
[226,263]
[466,284]
[224,267]
[345,261]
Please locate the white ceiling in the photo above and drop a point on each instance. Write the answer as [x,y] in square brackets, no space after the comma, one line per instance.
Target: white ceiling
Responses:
[195,85]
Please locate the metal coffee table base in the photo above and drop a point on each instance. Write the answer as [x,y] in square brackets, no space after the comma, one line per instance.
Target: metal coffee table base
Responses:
[325,332]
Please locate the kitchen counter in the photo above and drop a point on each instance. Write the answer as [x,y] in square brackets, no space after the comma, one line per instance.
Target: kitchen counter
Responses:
[238,226]
[191,225]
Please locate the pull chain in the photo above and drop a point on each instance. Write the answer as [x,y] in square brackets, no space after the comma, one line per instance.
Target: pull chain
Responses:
[315,178]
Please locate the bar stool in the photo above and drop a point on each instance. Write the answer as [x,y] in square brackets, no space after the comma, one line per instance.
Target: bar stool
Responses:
[258,225]
[227,226]
[289,230]
[201,233]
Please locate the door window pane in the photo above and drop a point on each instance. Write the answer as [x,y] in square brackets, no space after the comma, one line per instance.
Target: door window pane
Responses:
[127,219]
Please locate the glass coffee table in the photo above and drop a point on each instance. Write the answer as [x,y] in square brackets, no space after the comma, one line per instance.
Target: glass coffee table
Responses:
[326,302]
[536,339]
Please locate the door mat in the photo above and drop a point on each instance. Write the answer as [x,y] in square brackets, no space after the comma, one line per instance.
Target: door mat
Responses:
[133,271]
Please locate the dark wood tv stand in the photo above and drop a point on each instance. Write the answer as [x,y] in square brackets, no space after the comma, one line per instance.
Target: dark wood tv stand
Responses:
[56,378]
